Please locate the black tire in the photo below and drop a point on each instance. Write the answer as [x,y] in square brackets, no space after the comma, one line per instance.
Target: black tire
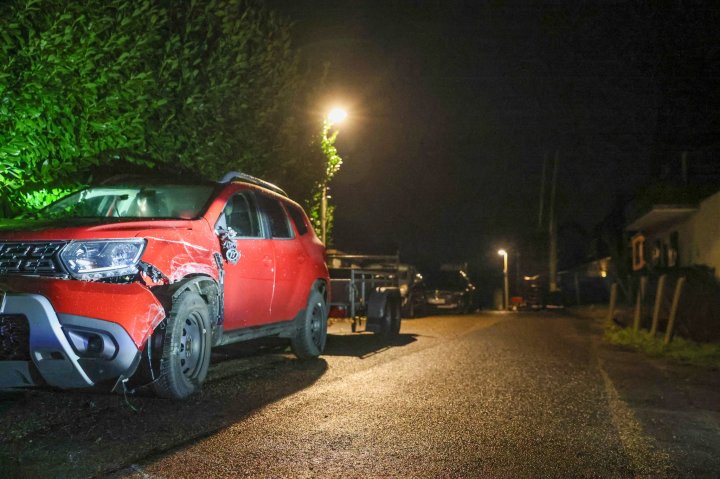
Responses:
[185,349]
[462,308]
[390,320]
[311,334]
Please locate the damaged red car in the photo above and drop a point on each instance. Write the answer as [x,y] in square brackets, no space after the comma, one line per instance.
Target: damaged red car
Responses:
[136,280]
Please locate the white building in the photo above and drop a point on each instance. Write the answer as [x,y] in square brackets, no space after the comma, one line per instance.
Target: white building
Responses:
[674,236]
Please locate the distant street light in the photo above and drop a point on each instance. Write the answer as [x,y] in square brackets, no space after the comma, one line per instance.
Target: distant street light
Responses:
[504,254]
[336,115]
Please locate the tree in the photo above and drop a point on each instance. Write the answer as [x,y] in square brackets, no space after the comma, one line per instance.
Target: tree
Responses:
[237,95]
[190,87]
[320,211]
[74,78]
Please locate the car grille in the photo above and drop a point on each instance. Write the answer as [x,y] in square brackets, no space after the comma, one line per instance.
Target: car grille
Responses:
[14,338]
[31,258]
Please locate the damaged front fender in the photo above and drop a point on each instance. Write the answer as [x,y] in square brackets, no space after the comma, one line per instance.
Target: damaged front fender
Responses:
[133,306]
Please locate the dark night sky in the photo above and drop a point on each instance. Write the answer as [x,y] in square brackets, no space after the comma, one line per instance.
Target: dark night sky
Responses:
[453,106]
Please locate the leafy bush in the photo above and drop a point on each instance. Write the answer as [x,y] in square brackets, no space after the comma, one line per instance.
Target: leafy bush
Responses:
[182,86]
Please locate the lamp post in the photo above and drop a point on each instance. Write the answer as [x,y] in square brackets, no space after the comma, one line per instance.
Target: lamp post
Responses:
[336,115]
[504,254]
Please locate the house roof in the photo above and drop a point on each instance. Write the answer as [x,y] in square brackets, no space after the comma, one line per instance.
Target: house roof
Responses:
[661,216]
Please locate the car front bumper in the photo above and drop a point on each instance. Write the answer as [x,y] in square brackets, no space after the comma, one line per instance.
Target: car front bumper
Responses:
[443,302]
[39,346]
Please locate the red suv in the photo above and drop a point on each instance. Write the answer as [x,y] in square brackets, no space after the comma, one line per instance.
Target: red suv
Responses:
[146,276]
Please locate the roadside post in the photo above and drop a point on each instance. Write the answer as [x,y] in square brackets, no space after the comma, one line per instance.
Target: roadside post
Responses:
[611,307]
[639,303]
[673,309]
[658,301]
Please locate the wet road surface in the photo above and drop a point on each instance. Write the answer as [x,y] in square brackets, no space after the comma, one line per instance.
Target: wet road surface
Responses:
[483,395]
[457,396]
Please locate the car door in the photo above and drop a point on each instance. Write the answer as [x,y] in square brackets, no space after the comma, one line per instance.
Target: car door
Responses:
[290,257]
[249,283]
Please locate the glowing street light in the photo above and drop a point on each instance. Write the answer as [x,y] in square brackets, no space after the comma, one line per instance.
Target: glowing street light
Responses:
[336,115]
[504,254]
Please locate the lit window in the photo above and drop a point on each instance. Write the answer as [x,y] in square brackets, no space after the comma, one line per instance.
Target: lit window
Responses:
[638,252]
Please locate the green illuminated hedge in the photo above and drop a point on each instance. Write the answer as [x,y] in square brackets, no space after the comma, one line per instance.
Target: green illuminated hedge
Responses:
[199,87]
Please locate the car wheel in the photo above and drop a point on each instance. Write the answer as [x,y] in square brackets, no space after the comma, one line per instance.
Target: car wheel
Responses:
[311,334]
[185,349]
[462,307]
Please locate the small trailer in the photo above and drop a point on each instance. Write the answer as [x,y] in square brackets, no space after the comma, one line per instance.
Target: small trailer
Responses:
[365,288]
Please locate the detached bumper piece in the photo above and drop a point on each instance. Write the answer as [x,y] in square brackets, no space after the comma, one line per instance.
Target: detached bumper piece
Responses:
[40,347]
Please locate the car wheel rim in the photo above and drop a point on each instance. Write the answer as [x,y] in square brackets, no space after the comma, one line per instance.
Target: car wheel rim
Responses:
[190,347]
[316,320]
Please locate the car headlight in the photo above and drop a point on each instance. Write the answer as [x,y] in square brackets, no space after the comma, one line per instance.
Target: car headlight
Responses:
[96,259]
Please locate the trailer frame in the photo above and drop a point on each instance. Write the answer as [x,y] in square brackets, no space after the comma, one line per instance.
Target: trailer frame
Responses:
[366,288]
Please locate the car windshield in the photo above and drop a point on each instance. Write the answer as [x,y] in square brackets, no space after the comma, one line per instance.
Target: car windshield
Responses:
[452,280]
[156,201]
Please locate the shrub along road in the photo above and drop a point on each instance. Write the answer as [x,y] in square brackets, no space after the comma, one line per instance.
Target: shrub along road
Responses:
[497,395]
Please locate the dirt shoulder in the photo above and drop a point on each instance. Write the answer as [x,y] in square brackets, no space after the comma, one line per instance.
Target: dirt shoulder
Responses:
[677,405]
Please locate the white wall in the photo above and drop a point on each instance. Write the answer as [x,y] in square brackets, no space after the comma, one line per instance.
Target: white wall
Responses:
[699,236]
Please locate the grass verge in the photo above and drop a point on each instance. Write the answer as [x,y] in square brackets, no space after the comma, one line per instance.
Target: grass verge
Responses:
[681,350]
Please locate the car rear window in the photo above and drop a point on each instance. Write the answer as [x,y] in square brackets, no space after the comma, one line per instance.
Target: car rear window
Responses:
[446,280]
[298,217]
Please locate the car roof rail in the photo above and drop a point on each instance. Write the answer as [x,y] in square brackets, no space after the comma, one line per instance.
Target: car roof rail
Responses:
[236,175]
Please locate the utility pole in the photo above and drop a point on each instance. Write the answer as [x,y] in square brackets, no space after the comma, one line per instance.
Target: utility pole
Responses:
[518,283]
[542,191]
[552,273]
[506,283]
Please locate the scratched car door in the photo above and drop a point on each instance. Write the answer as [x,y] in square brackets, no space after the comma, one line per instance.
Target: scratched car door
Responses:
[290,257]
[249,282]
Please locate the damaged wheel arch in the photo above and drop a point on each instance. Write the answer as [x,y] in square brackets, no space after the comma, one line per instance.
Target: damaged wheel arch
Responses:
[203,286]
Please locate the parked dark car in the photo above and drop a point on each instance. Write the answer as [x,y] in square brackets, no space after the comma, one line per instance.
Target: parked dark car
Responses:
[450,290]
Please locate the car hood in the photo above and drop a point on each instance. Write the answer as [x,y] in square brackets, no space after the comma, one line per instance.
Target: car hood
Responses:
[77,228]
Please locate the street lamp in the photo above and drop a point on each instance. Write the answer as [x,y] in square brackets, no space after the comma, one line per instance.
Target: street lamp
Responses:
[334,116]
[504,254]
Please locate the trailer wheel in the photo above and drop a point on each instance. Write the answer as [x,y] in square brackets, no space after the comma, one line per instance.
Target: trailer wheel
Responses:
[390,320]
[311,335]
[185,348]
[410,307]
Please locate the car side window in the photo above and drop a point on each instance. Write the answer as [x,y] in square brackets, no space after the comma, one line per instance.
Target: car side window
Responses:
[298,218]
[241,214]
[277,218]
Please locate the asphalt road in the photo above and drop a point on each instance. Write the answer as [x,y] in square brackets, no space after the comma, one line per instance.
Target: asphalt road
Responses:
[484,395]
